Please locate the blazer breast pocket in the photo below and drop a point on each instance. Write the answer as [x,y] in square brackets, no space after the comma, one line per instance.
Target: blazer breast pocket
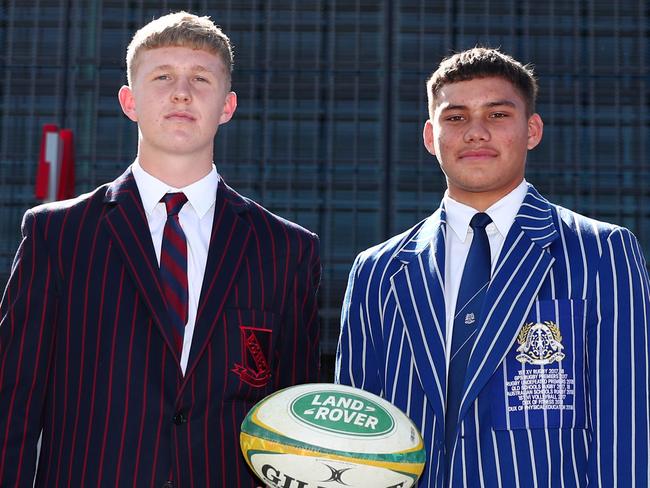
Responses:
[252,334]
[541,382]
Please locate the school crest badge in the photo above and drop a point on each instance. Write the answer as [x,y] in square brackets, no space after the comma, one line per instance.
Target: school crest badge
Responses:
[256,344]
[540,343]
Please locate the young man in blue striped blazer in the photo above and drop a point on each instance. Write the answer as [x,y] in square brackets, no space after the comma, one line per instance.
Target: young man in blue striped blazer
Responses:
[555,390]
[134,336]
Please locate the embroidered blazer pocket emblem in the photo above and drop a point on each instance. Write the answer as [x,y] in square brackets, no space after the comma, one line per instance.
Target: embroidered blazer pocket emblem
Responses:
[540,343]
[255,369]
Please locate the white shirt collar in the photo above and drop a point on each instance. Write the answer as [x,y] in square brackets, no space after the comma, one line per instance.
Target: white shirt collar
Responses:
[502,212]
[201,194]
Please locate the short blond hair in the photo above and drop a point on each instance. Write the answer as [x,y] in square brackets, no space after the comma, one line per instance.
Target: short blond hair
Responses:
[180,29]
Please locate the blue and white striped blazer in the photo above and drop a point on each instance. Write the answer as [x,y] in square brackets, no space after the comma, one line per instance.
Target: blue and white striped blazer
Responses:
[556,392]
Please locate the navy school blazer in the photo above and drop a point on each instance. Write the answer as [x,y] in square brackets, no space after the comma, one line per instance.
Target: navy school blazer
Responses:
[86,356]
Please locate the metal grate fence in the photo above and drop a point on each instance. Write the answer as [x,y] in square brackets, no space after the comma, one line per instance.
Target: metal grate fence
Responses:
[331,107]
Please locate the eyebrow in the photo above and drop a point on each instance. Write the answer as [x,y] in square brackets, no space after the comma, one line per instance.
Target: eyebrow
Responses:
[496,103]
[499,103]
[196,68]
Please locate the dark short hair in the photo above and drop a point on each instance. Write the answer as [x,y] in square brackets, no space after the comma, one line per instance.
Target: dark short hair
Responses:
[483,62]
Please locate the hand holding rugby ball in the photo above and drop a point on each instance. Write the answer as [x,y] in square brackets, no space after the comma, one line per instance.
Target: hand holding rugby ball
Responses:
[331,436]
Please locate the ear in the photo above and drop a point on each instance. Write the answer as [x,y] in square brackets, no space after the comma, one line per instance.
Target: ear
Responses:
[535,130]
[127,102]
[427,136]
[229,107]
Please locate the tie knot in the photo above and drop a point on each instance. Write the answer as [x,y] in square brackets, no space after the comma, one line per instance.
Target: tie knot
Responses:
[480,221]
[174,202]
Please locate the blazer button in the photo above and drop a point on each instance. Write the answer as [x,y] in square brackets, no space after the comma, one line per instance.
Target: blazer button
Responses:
[179,418]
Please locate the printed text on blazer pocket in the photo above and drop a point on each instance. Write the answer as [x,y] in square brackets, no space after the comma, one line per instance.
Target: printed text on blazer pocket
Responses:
[541,382]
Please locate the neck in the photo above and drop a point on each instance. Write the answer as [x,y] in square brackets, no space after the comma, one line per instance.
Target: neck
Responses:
[176,170]
[482,200]
[478,202]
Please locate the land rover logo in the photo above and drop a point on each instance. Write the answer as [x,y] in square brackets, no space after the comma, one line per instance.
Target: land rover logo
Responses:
[343,413]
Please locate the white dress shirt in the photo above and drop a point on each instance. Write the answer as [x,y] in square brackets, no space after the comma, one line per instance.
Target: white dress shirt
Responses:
[459,238]
[195,218]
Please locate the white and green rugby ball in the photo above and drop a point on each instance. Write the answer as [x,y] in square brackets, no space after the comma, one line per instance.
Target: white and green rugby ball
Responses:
[331,436]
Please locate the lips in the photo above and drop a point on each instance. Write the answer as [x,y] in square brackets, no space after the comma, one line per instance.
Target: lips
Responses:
[181,116]
[482,153]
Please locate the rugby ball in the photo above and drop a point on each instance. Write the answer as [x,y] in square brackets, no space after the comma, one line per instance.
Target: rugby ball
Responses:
[324,435]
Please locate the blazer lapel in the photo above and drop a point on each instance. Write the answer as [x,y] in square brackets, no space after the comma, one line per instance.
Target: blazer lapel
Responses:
[419,291]
[127,224]
[521,268]
[228,242]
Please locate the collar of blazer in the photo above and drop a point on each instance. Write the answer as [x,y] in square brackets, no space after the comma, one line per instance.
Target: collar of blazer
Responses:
[418,285]
[125,187]
[127,225]
[535,219]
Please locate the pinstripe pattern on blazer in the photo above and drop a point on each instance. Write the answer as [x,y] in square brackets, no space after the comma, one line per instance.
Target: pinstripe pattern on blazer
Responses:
[86,354]
[580,420]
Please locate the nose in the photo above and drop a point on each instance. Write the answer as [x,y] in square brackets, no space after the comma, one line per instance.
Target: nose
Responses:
[476,131]
[182,92]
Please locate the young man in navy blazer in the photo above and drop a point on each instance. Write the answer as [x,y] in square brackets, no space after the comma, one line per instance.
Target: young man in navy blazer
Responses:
[134,351]
[554,388]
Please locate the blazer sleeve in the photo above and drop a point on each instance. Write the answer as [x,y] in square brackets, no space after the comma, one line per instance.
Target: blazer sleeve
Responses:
[299,348]
[26,340]
[356,363]
[618,359]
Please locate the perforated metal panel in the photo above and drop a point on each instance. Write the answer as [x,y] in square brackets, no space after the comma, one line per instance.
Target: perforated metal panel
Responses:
[332,103]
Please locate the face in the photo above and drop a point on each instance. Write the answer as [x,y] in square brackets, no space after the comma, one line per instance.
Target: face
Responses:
[179,97]
[481,134]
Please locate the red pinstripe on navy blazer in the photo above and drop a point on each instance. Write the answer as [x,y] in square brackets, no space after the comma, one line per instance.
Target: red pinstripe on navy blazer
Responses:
[86,356]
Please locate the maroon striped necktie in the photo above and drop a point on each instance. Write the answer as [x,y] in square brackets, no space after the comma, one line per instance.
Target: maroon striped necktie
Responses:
[173,267]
